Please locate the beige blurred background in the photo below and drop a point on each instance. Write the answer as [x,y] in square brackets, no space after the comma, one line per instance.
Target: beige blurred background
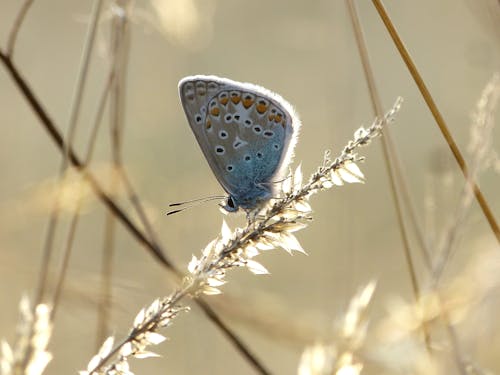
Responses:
[304,50]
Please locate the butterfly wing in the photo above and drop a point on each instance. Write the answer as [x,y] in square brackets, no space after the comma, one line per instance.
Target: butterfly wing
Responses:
[246,132]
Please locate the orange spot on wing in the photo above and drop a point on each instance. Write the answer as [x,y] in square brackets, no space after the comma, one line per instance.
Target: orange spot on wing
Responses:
[215,111]
[271,117]
[261,108]
[224,100]
[278,118]
[247,102]
[235,98]
[208,124]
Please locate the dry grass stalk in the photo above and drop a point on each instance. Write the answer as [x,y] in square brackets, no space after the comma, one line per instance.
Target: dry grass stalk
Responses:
[339,357]
[269,227]
[29,355]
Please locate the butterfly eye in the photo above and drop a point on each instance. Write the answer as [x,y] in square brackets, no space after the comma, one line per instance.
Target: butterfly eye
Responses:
[230,202]
[219,150]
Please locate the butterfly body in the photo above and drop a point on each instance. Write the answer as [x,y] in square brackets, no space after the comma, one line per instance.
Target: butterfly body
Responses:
[246,132]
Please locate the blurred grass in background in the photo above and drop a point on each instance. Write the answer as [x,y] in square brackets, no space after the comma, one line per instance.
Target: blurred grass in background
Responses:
[306,52]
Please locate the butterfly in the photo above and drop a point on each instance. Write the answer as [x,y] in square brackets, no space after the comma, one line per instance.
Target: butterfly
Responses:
[246,132]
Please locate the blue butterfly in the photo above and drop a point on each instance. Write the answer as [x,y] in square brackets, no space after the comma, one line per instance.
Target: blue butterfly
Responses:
[246,132]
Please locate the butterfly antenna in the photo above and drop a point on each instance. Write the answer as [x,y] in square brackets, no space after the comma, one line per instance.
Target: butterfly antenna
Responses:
[192,203]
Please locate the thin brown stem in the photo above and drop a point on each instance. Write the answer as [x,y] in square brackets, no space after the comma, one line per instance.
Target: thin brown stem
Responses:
[118,34]
[460,160]
[437,117]
[56,136]
[73,123]
[11,42]
[389,155]
[76,214]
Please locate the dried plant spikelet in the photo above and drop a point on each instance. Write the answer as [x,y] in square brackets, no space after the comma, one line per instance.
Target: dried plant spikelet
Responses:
[251,251]
[146,354]
[6,358]
[317,360]
[326,183]
[290,243]
[25,308]
[289,214]
[353,168]
[209,248]
[215,282]
[256,268]
[210,291]
[289,226]
[302,206]
[297,178]
[354,317]
[391,114]
[361,134]
[350,369]
[154,338]
[349,176]
[140,317]
[225,231]
[106,347]
[366,294]
[94,362]
[122,368]
[154,308]
[335,178]
[193,265]
[286,185]
[38,363]
[263,244]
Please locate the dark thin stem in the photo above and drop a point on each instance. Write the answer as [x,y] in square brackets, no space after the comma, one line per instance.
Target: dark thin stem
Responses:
[121,43]
[56,136]
[437,117]
[447,135]
[11,42]
[66,257]
[388,155]
[153,248]
[76,214]
[117,45]
[394,161]
[73,123]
